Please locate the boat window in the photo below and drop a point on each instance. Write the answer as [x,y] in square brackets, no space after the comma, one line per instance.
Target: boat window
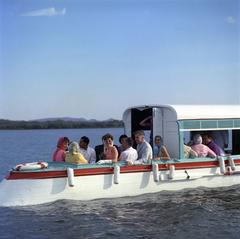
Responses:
[228,140]
[236,142]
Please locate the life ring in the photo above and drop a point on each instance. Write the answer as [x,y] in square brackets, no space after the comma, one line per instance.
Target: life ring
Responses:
[31,166]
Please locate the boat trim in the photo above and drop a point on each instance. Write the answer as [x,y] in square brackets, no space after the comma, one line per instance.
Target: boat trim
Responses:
[44,174]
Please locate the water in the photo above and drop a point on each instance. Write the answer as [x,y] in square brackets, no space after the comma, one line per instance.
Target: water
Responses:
[198,213]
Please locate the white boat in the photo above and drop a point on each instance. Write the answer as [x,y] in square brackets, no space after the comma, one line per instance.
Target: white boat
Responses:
[43,183]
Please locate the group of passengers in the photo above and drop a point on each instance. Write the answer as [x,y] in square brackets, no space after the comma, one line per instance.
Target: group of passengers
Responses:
[202,146]
[82,153]
[108,152]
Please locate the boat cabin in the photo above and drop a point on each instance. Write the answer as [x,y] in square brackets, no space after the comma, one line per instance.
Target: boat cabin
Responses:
[177,124]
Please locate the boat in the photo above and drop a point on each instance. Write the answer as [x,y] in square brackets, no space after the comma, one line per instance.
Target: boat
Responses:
[44,182]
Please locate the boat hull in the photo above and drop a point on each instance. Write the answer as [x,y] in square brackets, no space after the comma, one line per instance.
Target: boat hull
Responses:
[22,192]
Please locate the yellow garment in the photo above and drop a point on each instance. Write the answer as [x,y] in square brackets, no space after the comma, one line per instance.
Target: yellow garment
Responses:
[75,158]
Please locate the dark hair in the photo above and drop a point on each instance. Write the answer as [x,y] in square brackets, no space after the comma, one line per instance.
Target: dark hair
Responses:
[158,136]
[123,136]
[66,139]
[107,136]
[85,139]
[129,141]
[139,132]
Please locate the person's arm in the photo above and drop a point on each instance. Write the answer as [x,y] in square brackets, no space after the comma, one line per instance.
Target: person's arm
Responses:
[93,157]
[145,156]
[81,159]
[115,154]
[211,153]
[122,156]
[63,156]
[192,153]
[144,122]
[163,154]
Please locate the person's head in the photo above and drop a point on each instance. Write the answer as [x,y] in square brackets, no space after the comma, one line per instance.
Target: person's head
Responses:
[158,140]
[207,139]
[107,140]
[73,148]
[197,139]
[139,136]
[63,143]
[123,136]
[127,142]
[84,142]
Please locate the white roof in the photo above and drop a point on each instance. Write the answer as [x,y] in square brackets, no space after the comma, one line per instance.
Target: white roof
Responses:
[185,112]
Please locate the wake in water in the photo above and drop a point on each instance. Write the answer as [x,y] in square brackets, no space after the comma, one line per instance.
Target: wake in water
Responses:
[198,213]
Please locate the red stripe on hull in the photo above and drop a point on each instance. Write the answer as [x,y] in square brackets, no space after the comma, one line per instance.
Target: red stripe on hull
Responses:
[99,171]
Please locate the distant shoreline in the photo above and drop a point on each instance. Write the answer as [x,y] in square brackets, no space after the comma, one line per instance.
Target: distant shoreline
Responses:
[58,124]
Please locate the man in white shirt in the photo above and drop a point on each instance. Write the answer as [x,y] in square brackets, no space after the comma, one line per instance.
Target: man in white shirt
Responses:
[88,152]
[129,154]
[144,149]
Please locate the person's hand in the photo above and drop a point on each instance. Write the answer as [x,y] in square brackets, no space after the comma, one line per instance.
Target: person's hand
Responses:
[129,163]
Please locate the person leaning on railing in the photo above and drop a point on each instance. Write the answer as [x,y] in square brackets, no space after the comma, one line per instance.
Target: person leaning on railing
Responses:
[144,149]
[129,154]
[160,151]
[201,149]
[74,155]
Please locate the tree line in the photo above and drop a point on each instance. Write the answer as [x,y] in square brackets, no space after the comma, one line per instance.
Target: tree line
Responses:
[59,124]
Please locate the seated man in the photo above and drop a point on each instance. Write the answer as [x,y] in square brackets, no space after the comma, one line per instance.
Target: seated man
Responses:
[144,149]
[121,140]
[129,154]
[207,140]
[88,152]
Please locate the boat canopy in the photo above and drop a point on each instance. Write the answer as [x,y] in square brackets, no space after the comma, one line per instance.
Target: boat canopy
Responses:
[171,121]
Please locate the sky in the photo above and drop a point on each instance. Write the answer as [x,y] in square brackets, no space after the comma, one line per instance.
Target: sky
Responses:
[95,58]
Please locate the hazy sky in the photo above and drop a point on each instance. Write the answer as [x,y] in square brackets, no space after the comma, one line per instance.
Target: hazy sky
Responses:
[94,58]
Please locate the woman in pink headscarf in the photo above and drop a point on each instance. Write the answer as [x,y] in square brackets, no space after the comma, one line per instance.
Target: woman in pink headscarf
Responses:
[60,153]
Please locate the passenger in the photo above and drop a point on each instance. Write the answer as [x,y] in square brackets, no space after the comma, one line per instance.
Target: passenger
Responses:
[99,149]
[129,154]
[201,149]
[88,153]
[60,153]
[189,152]
[148,123]
[160,151]
[110,151]
[144,149]
[74,155]
[207,140]
[121,139]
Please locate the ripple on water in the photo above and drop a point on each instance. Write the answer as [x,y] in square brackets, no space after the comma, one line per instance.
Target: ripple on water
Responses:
[198,213]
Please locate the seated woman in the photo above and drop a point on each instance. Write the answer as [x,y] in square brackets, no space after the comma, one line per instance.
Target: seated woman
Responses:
[74,155]
[60,153]
[160,151]
[110,151]
[201,149]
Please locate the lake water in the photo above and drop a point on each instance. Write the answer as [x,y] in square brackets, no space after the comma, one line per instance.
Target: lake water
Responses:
[198,213]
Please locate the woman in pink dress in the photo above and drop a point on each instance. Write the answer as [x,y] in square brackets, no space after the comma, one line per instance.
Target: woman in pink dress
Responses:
[110,152]
[60,153]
